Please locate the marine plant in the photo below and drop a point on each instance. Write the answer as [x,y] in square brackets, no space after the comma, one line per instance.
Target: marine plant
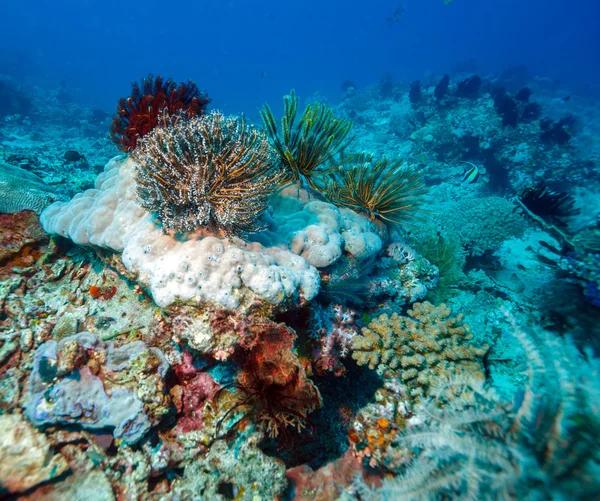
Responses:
[272,387]
[140,113]
[420,348]
[306,144]
[385,189]
[207,171]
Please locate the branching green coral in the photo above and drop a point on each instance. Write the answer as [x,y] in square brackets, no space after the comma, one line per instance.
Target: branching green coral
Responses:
[383,189]
[428,344]
[305,145]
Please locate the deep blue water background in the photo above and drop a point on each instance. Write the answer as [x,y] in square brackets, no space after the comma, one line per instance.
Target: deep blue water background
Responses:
[245,52]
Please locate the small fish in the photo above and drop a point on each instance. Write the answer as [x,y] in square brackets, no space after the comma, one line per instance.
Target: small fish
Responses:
[567,98]
[73,156]
[550,247]
[396,16]
[262,74]
[470,175]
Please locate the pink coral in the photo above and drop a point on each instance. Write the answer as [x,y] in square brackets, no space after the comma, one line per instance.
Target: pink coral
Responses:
[329,481]
[334,328]
[194,389]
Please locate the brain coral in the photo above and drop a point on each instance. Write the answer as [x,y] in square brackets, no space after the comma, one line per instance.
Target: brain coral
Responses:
[277,264]
[482,224]
[22,190]
[427,344]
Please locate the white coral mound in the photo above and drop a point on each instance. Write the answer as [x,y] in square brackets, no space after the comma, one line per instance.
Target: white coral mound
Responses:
[278,264]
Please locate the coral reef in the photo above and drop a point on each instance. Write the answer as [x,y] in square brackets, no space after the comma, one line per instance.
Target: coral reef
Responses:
[206,172]
[427,344]
[270,334]
[80,380]
[140,113]
[274,389]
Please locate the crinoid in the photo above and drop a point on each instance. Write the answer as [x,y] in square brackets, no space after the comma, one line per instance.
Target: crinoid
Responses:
[383,189]
[552,206]
[139,114]
[208,171]
[305,145]
[273,388]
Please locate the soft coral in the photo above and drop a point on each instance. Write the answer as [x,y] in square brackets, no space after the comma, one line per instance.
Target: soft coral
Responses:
[273,384]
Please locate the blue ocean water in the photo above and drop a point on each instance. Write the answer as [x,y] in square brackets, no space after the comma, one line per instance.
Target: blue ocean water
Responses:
[249,52]
[367,269]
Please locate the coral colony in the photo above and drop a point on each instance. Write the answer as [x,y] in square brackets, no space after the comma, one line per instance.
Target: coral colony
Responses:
[291,310]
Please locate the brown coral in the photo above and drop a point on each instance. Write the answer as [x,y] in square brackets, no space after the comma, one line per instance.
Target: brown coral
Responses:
[427,344]
[273,387]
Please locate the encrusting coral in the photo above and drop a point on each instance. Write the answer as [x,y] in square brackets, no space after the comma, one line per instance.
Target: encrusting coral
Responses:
[210,171]
[427,344]
[139,114]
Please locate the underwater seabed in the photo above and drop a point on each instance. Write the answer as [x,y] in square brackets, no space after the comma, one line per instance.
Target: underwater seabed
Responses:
[419,322]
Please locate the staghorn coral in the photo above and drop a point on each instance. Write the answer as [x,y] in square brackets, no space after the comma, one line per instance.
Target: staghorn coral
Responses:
[305,145]
[428,344]
[212,171]
[383,189]
[139,114]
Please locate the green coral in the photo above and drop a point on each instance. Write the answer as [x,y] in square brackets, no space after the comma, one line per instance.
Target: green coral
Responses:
[305,145]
